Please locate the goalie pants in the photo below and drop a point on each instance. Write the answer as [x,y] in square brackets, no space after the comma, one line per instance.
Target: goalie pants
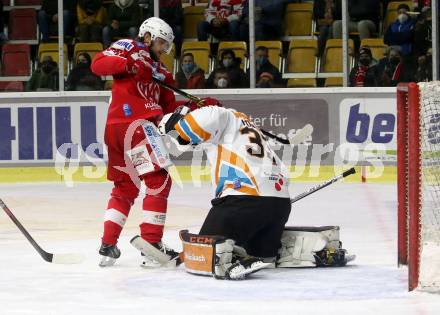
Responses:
[254,223]
[125,191]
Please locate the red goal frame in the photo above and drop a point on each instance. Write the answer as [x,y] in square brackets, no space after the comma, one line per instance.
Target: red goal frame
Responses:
[409,180]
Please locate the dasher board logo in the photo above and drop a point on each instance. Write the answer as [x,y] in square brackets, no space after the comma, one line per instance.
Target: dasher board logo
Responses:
[368,120]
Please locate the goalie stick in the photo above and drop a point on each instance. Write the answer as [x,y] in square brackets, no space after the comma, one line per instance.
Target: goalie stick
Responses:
[300,136]
[49,257]
[323,185]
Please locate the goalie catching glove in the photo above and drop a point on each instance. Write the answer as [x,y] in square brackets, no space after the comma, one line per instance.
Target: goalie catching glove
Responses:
[312,247]
[217,256]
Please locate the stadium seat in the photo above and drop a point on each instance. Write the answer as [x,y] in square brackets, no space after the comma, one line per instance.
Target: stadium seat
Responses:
[301,57]
[192,15]
[332,57]
[91,48]
[201,52]
[22,24]
[16,60]
[301,83]
[333,82]
[11,86]
[391,13]
[377,46]
[169,60]
[275,51]
[239,48]
[28,2]
[51,49]
[298,19]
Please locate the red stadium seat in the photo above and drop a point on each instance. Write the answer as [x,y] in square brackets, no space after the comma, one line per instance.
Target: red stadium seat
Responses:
[13,86]
[23,24]
[16,60]
[28,2]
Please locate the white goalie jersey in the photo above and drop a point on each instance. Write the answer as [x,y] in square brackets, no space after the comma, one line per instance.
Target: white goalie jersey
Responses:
[242,161]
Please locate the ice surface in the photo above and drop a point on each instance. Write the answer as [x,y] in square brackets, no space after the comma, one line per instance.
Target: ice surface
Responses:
[66,220]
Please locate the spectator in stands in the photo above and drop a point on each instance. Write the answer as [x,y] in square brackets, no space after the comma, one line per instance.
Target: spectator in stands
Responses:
[190,75]
[81,78]
[3,37]
[123,18]
[220,80]
[324,14]
[364,18]
[222,20]
[48,17]
[401,32]
[365,73]
[171,11]
[45,78]
[91,16]
[231,64]
[268,17]
[267,74]
[393,69]
[424,67]
[423,32]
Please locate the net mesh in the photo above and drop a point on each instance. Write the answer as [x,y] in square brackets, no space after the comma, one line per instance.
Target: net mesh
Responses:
[430,164]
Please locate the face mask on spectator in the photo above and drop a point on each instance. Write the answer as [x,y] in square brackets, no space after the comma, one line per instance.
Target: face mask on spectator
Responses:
[227,62]
[222,83]
[402,18]
[364,61]
[261,60]
[188,67]
[47,67]
[394,61]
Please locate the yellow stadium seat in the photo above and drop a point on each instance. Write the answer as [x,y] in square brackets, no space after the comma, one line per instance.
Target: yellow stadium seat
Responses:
[332,58]
[201,52]
[298,19]
[275,49]
[301,57]
[391,14]
[239,48]
[168,60]
[192,15]
[51,49]
[377,46]
[301,83]
[91,48]
[333,82]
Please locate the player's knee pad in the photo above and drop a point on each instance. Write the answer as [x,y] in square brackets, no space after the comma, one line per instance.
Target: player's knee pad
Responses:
[158,183]
[311,247]
[126,191]
[207,255]
[151,154]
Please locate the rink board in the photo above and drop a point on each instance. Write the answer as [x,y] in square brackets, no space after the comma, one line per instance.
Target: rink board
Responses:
[41,133]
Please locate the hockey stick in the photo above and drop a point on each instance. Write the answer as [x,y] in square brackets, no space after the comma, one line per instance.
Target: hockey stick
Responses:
[52,258]
[299,137]
[323,185]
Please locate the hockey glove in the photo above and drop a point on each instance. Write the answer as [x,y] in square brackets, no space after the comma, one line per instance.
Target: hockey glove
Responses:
[139,68]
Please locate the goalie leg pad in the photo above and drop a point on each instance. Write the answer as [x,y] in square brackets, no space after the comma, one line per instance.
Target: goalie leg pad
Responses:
[311,247]
[206,255]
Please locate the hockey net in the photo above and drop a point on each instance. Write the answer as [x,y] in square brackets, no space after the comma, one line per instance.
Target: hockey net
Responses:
[418,164]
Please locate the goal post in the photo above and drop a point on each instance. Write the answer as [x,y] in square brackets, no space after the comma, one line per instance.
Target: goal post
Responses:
[418,177]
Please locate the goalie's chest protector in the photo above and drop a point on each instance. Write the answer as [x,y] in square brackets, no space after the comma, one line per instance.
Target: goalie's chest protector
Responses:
[242,161]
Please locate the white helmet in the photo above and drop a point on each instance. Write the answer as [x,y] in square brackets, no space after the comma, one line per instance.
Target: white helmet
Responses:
[157,28]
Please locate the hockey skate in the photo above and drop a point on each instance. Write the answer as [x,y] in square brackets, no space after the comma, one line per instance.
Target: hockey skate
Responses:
[156,255]
[244,267]
[109,255]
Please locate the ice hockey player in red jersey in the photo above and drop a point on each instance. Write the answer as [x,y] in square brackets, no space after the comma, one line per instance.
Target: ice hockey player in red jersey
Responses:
[135,150]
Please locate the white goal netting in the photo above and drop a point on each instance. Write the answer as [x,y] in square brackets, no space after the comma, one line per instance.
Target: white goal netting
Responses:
[430,166]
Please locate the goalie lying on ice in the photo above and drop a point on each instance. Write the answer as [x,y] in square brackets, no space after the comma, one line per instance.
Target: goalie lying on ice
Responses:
[245,229]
